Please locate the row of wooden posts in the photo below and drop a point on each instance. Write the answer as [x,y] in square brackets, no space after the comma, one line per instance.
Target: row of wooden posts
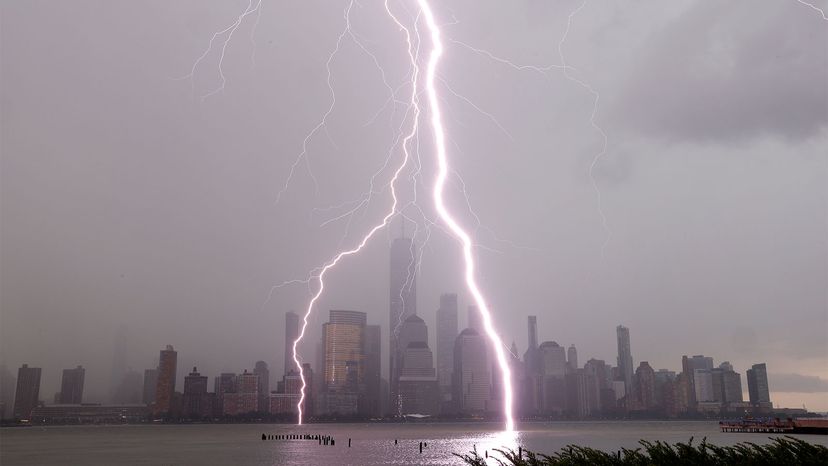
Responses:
[326,440]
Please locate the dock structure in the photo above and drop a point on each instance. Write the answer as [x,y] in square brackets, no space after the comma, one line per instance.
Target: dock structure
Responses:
[776,426]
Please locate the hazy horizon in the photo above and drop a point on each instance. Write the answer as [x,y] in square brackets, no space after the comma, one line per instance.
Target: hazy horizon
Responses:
[127,200]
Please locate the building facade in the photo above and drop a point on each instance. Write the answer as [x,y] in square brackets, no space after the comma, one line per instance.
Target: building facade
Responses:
[625,360]
[71,385]
[402,293]
[27,394]
[758,390]
[472,379]
[165,386]
[446,334]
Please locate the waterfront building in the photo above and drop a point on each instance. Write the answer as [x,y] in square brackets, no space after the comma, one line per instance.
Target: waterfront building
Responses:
[27,394]
[197,403]
[645,384]
[71,386]
[446,334]
[245,398]
[343,373]
[224,383]
[572,357]
[150,384]
[262,371]
[757,377]
[370,402]
[165,386]
[625,360]
[402,269]
[419,391]
[553,364]
[580,393]
[689,365]
[472,379]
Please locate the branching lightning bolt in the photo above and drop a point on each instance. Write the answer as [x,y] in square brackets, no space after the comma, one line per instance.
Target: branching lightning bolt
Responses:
[815,8]
[604,140]
[316,278]
[445,215]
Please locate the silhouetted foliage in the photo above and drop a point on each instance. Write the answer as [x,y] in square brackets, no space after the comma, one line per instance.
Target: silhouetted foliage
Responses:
[782,450]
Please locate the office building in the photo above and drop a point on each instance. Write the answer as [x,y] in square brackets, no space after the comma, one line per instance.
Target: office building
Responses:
[625,360]
[197,403]
[552,360]
[71,386]
[263,373]
[402,302]
[370,402]
[572,357]
[446,334]
[165,387]
[471,373]
[150,383]
[27,394]
[419,392]
[645,385]
[758,390]
[245,397]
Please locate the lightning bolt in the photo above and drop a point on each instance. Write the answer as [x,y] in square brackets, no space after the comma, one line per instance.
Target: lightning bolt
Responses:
[445,215]
[315,280]
[815,8]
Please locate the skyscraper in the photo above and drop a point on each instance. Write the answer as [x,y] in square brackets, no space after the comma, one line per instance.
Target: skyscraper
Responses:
[533,332]
[224,383]
[343,363]
[27,394]
[343,340]
[291,334]
[119,362]
[261,370]
[758,390]
[625,360]
[402,302]
[572,357]
[196,400]
[418,389]
[471,372]
[150,383]
[552,362]
[419,392]
[474,320]
[446,333]
[689,365]
[165,387]
[413,329]
[71,385]
[371,402]
[245,398]
[645,386]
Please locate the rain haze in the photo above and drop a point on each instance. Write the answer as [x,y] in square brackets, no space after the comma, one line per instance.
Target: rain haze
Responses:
[147,201]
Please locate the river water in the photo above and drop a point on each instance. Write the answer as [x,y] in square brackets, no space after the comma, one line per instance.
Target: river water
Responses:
[371,444]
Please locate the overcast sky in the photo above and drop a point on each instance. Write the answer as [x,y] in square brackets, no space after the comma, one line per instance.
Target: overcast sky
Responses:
[127,199]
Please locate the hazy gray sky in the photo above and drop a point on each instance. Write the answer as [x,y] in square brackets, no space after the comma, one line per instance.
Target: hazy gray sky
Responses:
[128,200]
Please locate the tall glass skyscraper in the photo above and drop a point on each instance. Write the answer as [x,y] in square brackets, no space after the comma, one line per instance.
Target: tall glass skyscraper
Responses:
[625,361]
[402,303]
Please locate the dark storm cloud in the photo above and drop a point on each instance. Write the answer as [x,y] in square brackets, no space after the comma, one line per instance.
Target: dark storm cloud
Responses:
[727,71]
[798,383]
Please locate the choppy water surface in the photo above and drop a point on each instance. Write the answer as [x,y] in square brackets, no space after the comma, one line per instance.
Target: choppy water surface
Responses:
[372,444]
